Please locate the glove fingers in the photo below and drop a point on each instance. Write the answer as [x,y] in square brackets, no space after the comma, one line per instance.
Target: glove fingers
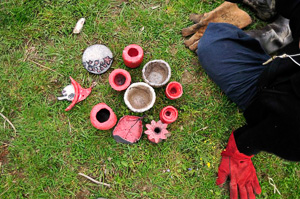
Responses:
[250,191]
[256,186]
[233,191]
[222,177]
[195,37]
[191,29]
[223,171]
[194,46]
[243,192]
[196,17]
[192,40]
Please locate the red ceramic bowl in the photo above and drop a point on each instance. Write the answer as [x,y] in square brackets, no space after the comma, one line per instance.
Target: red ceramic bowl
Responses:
[119,79]
[133,55]
[168,114]
[102,117]
[174,90]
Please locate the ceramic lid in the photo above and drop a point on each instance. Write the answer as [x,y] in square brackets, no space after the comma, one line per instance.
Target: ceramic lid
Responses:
[97,59]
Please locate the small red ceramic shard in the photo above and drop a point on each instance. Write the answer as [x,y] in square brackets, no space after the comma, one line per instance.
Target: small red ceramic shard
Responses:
[174,90]
[119,79]
[133,55]
[102,117]
[78,95]
[129,129]
[157,131]
[168,114]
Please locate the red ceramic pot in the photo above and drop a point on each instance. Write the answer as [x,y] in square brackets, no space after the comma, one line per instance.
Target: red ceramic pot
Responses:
[133,55]
[119,79]
[174,90]
[168,114]
[102,117]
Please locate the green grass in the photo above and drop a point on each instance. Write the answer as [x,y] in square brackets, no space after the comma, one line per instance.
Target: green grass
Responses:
[52,146]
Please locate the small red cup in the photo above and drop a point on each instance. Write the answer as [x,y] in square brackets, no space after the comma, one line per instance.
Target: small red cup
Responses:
[174,90]
[119,79]
[102,117]
[168,114]
[133,55]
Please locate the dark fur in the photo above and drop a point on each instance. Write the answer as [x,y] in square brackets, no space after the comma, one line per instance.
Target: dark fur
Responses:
[265,9]
[273,36]
[273,117]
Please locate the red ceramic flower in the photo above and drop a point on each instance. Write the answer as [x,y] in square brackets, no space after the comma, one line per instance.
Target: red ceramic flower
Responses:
[157,131]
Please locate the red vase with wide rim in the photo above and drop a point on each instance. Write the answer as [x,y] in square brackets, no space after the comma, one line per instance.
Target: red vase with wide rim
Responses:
[168,114]
[103,117]
[119,79]
[174,90]
[133,55]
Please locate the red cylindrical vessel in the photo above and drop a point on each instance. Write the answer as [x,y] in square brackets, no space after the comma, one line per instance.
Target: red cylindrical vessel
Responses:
[119,79]
[174,90]
[168,114]
[102,117]
[133,55]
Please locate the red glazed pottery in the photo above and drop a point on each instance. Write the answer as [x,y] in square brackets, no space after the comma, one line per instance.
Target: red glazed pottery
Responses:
[157,131]
[102,117]
[174,90]
[74,93]
[119,79]
[129,129]
[168,114]
[133,55]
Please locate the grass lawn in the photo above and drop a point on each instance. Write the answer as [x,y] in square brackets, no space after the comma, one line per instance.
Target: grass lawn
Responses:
[38,53]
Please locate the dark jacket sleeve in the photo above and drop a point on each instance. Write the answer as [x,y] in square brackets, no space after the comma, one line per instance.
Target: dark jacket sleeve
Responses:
[290,9]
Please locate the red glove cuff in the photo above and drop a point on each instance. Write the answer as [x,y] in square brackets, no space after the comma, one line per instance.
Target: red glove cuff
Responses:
[232,150]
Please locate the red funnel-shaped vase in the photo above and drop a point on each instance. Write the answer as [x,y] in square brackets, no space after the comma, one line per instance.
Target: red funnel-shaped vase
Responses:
[75,93]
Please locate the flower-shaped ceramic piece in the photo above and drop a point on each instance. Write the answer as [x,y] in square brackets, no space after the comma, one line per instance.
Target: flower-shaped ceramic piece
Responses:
[157,131]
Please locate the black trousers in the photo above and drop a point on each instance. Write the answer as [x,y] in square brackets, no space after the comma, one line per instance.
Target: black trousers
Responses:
[233,60]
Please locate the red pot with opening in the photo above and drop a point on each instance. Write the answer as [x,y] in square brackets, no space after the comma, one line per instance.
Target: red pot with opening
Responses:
[133,55]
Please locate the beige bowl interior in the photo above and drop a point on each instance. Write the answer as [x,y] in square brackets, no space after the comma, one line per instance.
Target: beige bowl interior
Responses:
[156,73]
[139,97]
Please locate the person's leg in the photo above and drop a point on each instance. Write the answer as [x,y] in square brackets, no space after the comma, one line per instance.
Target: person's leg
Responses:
[233,60]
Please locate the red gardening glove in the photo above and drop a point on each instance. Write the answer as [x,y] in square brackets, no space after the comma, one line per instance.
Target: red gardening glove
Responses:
[239,168]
